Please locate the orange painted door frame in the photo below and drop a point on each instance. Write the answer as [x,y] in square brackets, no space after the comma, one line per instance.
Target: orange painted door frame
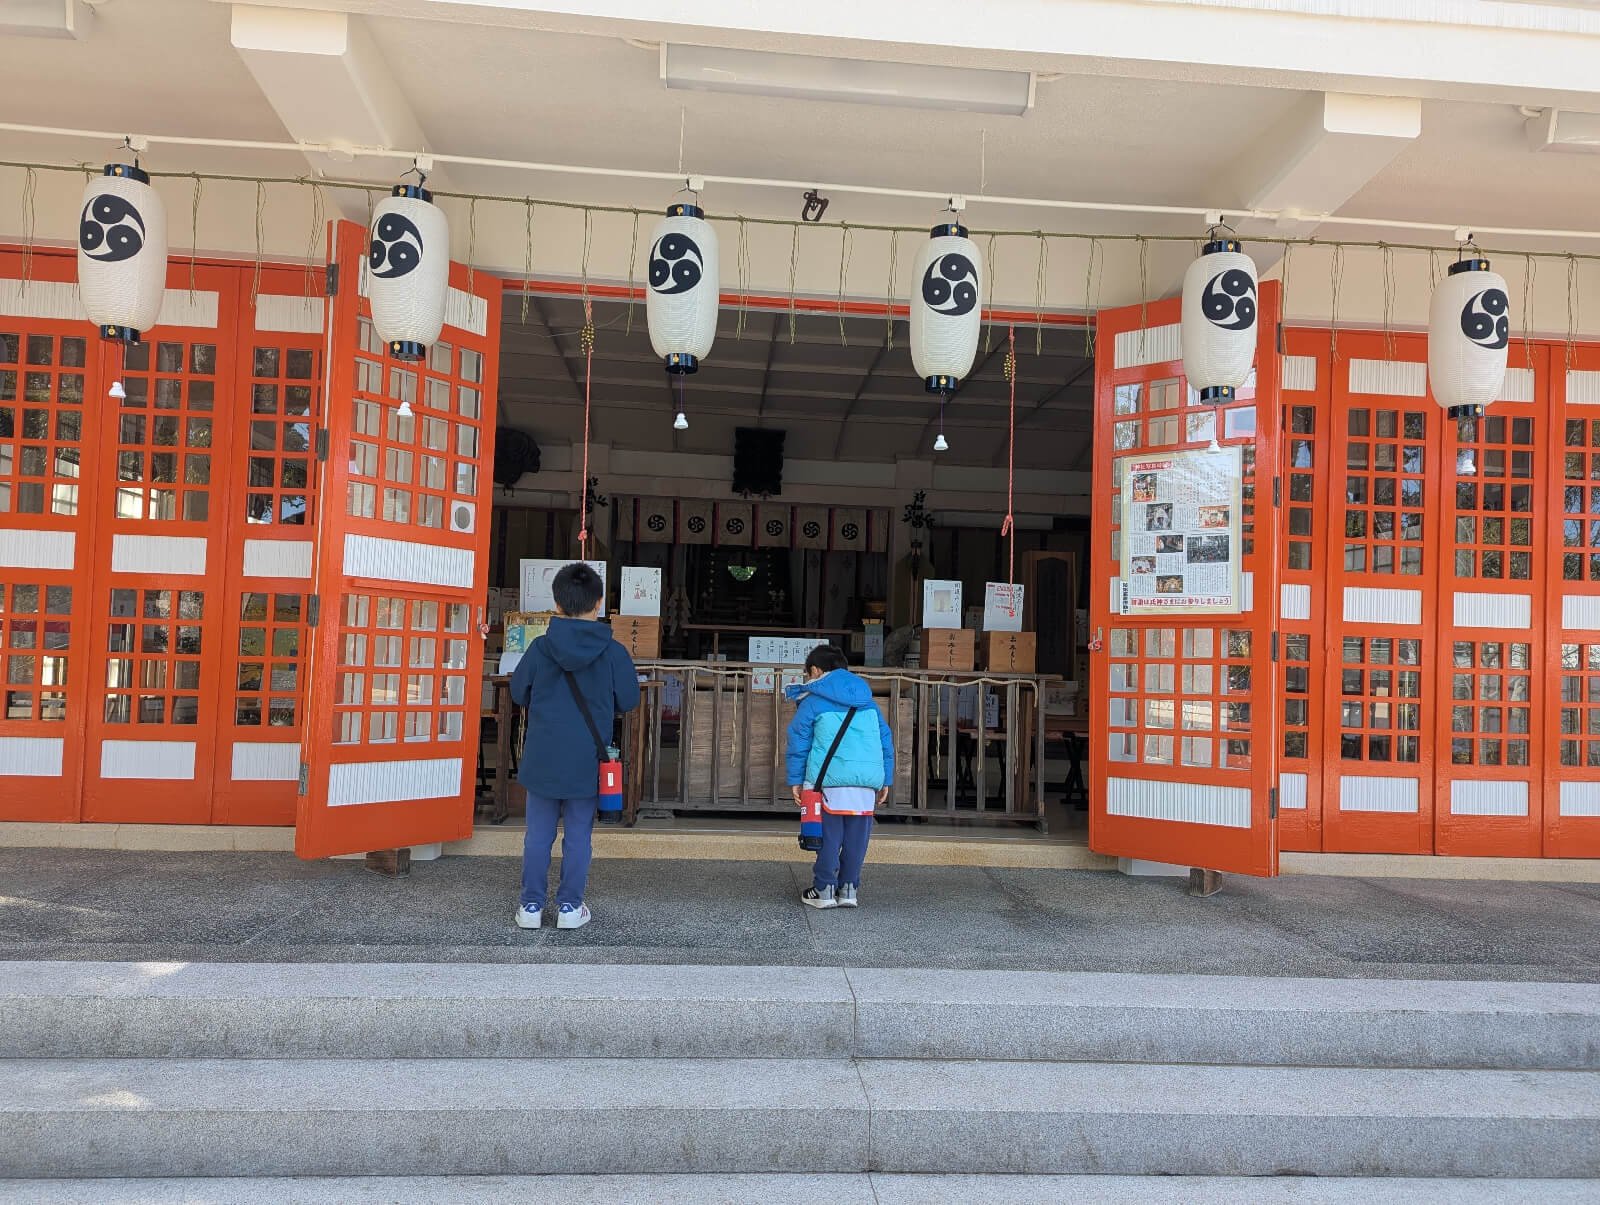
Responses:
[1184,730]
[401,567]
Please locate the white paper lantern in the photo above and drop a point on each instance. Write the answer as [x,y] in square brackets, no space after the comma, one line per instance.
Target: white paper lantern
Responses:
[408,271]
[1219,320]
[1469,333]
[945,310]
[122,252]
[684,289]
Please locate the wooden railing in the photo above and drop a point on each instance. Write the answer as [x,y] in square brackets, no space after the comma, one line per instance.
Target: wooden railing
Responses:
[711,738]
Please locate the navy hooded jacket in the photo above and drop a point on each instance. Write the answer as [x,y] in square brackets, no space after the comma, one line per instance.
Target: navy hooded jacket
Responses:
[865,757]
[558,756]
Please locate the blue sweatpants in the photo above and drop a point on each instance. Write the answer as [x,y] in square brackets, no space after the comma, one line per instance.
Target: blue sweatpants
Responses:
[844,849]
[577,823]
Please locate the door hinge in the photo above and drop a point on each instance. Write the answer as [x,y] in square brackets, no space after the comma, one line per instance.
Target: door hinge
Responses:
[1274,648]
[1277,486]
[333,280]
[314,610]
[1283,343]
[305,778]
[322,443]
[1272,803]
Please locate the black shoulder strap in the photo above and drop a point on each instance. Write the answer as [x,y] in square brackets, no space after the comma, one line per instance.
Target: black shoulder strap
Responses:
[822,770]
[583,710]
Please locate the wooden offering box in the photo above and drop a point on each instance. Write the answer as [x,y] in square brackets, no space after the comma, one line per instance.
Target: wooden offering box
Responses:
[1010,652]
[949,648]
[639,634]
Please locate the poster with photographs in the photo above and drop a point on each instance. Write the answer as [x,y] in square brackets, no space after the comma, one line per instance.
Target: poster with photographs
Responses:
[1180,532]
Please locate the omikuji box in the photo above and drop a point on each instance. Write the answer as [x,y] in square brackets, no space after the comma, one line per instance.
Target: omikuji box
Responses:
[1010,652]
[948,648]
[639,634]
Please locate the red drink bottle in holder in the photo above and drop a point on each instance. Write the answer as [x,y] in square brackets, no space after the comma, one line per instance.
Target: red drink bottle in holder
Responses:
[810,819]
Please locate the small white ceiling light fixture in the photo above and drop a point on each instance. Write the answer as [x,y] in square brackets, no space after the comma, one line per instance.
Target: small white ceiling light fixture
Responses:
[47,18]
[1564,130]
[681,423]
[854,81]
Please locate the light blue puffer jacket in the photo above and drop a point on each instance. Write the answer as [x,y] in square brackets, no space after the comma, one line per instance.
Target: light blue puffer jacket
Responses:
[865,757]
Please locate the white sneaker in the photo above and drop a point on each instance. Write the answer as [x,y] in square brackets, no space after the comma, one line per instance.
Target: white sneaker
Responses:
[573,918]
[847,896]
[529,920]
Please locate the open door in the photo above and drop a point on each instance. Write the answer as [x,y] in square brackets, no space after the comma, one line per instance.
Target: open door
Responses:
[1184,732]
[401,566]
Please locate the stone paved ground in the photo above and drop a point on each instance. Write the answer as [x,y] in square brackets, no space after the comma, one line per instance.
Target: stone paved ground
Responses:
[272,907]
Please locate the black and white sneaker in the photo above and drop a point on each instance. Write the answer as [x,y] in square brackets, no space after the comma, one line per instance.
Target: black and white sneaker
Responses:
[814,897]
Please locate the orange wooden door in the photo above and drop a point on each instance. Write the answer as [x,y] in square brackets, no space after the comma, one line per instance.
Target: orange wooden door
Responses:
[400,569]
[1493,531]
[51,396]
[1184,731]
[272,512]
[155,614]
[1382,567]
[1303,555]
[1570,690]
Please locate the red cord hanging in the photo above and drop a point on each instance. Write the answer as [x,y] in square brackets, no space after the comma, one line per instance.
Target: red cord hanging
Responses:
[1008,528]
[586,341]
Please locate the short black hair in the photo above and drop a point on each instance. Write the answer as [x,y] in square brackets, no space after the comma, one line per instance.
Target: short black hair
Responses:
[827,658]
[577,589]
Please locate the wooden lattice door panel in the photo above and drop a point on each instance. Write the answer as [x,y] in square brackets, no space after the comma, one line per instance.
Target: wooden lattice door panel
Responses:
[1570,694]
[1304,475]
[401,567]
[1184,731]
[50,392]
[1383,563]
[1489,792]
[272,512]
[156,605]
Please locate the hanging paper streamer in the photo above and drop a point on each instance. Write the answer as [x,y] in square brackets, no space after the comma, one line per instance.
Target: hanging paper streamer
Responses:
[122,252]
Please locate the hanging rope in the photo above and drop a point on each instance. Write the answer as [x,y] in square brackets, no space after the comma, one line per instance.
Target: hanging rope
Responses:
[844,272]
[313,255]
[1336,282]
[586,341]
[1089,299]
[30,191]
[1389,345]
[888,302]
[1573,308]
[1530,271]
[194,232]
[261,215]
[1041,273]
[527,254]
[988,256]
[743,261]
[1009,527]
[472,243]
[794,268]
[633,259]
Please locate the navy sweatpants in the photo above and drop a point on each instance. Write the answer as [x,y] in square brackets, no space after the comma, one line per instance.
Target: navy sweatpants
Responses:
[844,849]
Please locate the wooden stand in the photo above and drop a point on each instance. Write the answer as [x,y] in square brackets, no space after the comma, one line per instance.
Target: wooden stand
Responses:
[1010,652]
[390,862]
[949,648]
[639,634]
[1204,882]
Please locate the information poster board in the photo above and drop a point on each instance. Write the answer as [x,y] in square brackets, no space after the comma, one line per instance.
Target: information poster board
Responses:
[1002,607]
[1180,532]
[641,591]
[536,577]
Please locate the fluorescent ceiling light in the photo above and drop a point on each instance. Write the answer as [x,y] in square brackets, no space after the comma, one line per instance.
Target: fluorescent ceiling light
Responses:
[46,18]
[857,81]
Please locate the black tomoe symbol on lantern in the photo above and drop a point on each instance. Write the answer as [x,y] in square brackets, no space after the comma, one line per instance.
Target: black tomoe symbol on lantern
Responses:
[774,527]
[110,229]
[811,529]
[1486,320]
[950,285]
[696,524]
[675,264]
[849,531]
[397,249]
[656,523]
[1229,300]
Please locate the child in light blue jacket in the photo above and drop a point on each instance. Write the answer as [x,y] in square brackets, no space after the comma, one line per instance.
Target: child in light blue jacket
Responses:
[858,775]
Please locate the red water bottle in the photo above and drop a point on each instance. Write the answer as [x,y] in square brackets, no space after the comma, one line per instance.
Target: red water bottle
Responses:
[810,819]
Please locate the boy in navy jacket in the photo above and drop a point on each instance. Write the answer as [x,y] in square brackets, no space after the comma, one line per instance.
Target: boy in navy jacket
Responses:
[560,767]
[858,776]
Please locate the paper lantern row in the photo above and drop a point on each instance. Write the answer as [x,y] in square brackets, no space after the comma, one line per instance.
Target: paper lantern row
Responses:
[122,266]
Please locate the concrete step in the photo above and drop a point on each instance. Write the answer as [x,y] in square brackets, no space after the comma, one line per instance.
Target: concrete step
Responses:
[322,1117]
[853,1189]
[273,1010]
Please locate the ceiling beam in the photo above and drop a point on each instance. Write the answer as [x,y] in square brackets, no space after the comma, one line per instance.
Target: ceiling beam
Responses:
[1315,160]
[861,388]
[328,83]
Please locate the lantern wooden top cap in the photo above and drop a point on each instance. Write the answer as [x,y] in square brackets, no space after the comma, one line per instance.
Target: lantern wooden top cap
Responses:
[1218,245]
[127,171]
[682,210]
[948,230]
[415,191]
[1475,264]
